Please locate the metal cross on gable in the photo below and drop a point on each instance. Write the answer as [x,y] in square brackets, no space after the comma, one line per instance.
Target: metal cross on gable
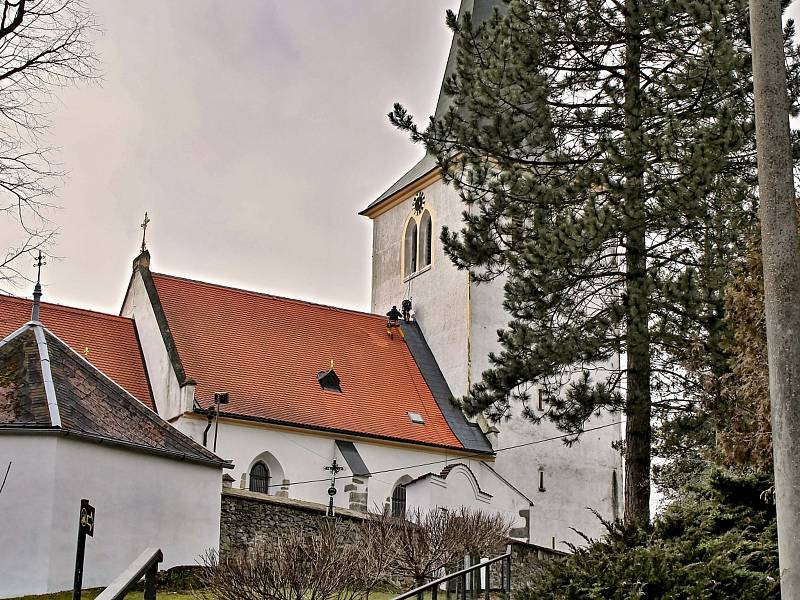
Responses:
[144,231]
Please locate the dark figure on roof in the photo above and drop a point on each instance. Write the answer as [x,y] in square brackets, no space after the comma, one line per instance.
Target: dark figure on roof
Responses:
[406,310]
[393,322]
[394,315]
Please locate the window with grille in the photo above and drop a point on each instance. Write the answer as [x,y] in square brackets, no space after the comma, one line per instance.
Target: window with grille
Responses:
[259,478]
[399,502]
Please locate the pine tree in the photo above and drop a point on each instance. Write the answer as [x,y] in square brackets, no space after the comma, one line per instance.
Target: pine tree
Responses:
[604,153]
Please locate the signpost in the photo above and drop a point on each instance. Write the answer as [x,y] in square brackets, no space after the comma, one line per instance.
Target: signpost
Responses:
[85,527]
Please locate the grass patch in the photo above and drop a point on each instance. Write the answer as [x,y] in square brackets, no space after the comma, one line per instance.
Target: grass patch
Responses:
[92,594]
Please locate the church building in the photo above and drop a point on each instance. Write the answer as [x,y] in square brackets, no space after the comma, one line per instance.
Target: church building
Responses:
[193,379]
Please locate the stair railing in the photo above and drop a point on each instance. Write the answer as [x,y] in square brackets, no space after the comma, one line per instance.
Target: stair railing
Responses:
[463,575]
[145,565]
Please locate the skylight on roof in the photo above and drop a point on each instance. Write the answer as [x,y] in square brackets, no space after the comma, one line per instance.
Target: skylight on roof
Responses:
[416,418]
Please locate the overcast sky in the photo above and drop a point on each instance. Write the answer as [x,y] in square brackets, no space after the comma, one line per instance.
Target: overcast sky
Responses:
[251,134]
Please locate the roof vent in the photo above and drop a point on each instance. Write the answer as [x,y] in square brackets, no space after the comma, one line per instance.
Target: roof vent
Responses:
[329,381]
[416,418]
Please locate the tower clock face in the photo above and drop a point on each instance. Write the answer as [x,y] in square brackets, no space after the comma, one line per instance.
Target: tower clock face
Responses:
[419,203]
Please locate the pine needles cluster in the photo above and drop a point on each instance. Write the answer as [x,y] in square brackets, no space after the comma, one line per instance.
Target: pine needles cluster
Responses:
[604,152]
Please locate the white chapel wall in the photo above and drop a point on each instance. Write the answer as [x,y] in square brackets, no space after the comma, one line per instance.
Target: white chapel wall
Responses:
[141,500]
[26,512]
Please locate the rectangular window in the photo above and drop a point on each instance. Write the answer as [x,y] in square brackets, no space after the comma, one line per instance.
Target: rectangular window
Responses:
[541,399]
[541,480]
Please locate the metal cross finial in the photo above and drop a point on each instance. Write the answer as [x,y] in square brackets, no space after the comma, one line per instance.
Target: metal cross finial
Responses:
[37,289]
[144,231]
[38,264]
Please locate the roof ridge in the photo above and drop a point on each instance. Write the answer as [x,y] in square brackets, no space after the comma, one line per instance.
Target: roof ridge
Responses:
[68,308]
[268,295]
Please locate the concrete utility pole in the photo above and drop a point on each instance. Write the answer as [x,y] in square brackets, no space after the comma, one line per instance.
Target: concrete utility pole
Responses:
[781,254]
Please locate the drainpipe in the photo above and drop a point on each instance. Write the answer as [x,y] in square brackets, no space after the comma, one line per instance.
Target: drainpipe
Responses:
[210,416]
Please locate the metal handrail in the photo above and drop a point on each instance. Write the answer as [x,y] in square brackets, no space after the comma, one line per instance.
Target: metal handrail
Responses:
[434,585]
[145,565]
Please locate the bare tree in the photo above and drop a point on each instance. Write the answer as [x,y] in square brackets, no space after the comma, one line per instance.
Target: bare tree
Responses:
[311,565]
[430,541]
[45,45]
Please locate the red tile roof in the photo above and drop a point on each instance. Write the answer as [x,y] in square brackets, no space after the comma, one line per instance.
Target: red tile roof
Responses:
[266,352]
[107,341]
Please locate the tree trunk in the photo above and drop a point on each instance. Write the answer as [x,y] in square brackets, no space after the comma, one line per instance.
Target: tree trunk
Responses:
[781,256]
[638,431]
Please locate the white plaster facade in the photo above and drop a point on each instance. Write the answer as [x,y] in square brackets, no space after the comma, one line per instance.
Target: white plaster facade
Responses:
[141,500]
[171,398]
[298,456]
[459,319]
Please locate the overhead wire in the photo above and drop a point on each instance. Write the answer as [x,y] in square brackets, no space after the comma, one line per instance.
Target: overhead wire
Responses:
[447,460]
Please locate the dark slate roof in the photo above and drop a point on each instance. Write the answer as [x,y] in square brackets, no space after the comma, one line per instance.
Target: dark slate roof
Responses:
[353,458]
[45,384]
[469,434]
[481,10]
[422,168]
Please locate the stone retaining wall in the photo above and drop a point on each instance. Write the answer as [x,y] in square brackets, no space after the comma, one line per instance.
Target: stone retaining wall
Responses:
[249,517]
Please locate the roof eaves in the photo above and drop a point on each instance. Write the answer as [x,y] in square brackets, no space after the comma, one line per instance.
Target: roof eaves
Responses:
[99,439]
[150,413]
[358,434]
[422,168]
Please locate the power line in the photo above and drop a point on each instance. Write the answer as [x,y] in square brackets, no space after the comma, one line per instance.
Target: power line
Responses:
[446,460]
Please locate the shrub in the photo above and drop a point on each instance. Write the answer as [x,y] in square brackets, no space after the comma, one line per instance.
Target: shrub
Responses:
[720,541]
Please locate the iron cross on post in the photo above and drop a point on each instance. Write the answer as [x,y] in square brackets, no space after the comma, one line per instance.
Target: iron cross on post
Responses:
[144,231]
[334,469]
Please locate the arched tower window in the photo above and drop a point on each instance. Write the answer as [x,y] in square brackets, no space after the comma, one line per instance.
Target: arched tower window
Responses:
[425,240]
[259,478]
[399,501]
[410,258]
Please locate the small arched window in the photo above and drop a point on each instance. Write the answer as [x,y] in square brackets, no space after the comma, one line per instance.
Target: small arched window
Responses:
[399,502]
[425,240]
[259,478]
[410,258]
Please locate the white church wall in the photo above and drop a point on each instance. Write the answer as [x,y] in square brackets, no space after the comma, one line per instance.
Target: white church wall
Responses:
[461,334]
[141,500]
[575,478]
[26,506]
[167,392]
[439,293]
[303,454]
[475,487]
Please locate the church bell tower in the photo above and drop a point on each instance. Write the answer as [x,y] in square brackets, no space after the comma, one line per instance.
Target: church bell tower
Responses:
[459,320]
